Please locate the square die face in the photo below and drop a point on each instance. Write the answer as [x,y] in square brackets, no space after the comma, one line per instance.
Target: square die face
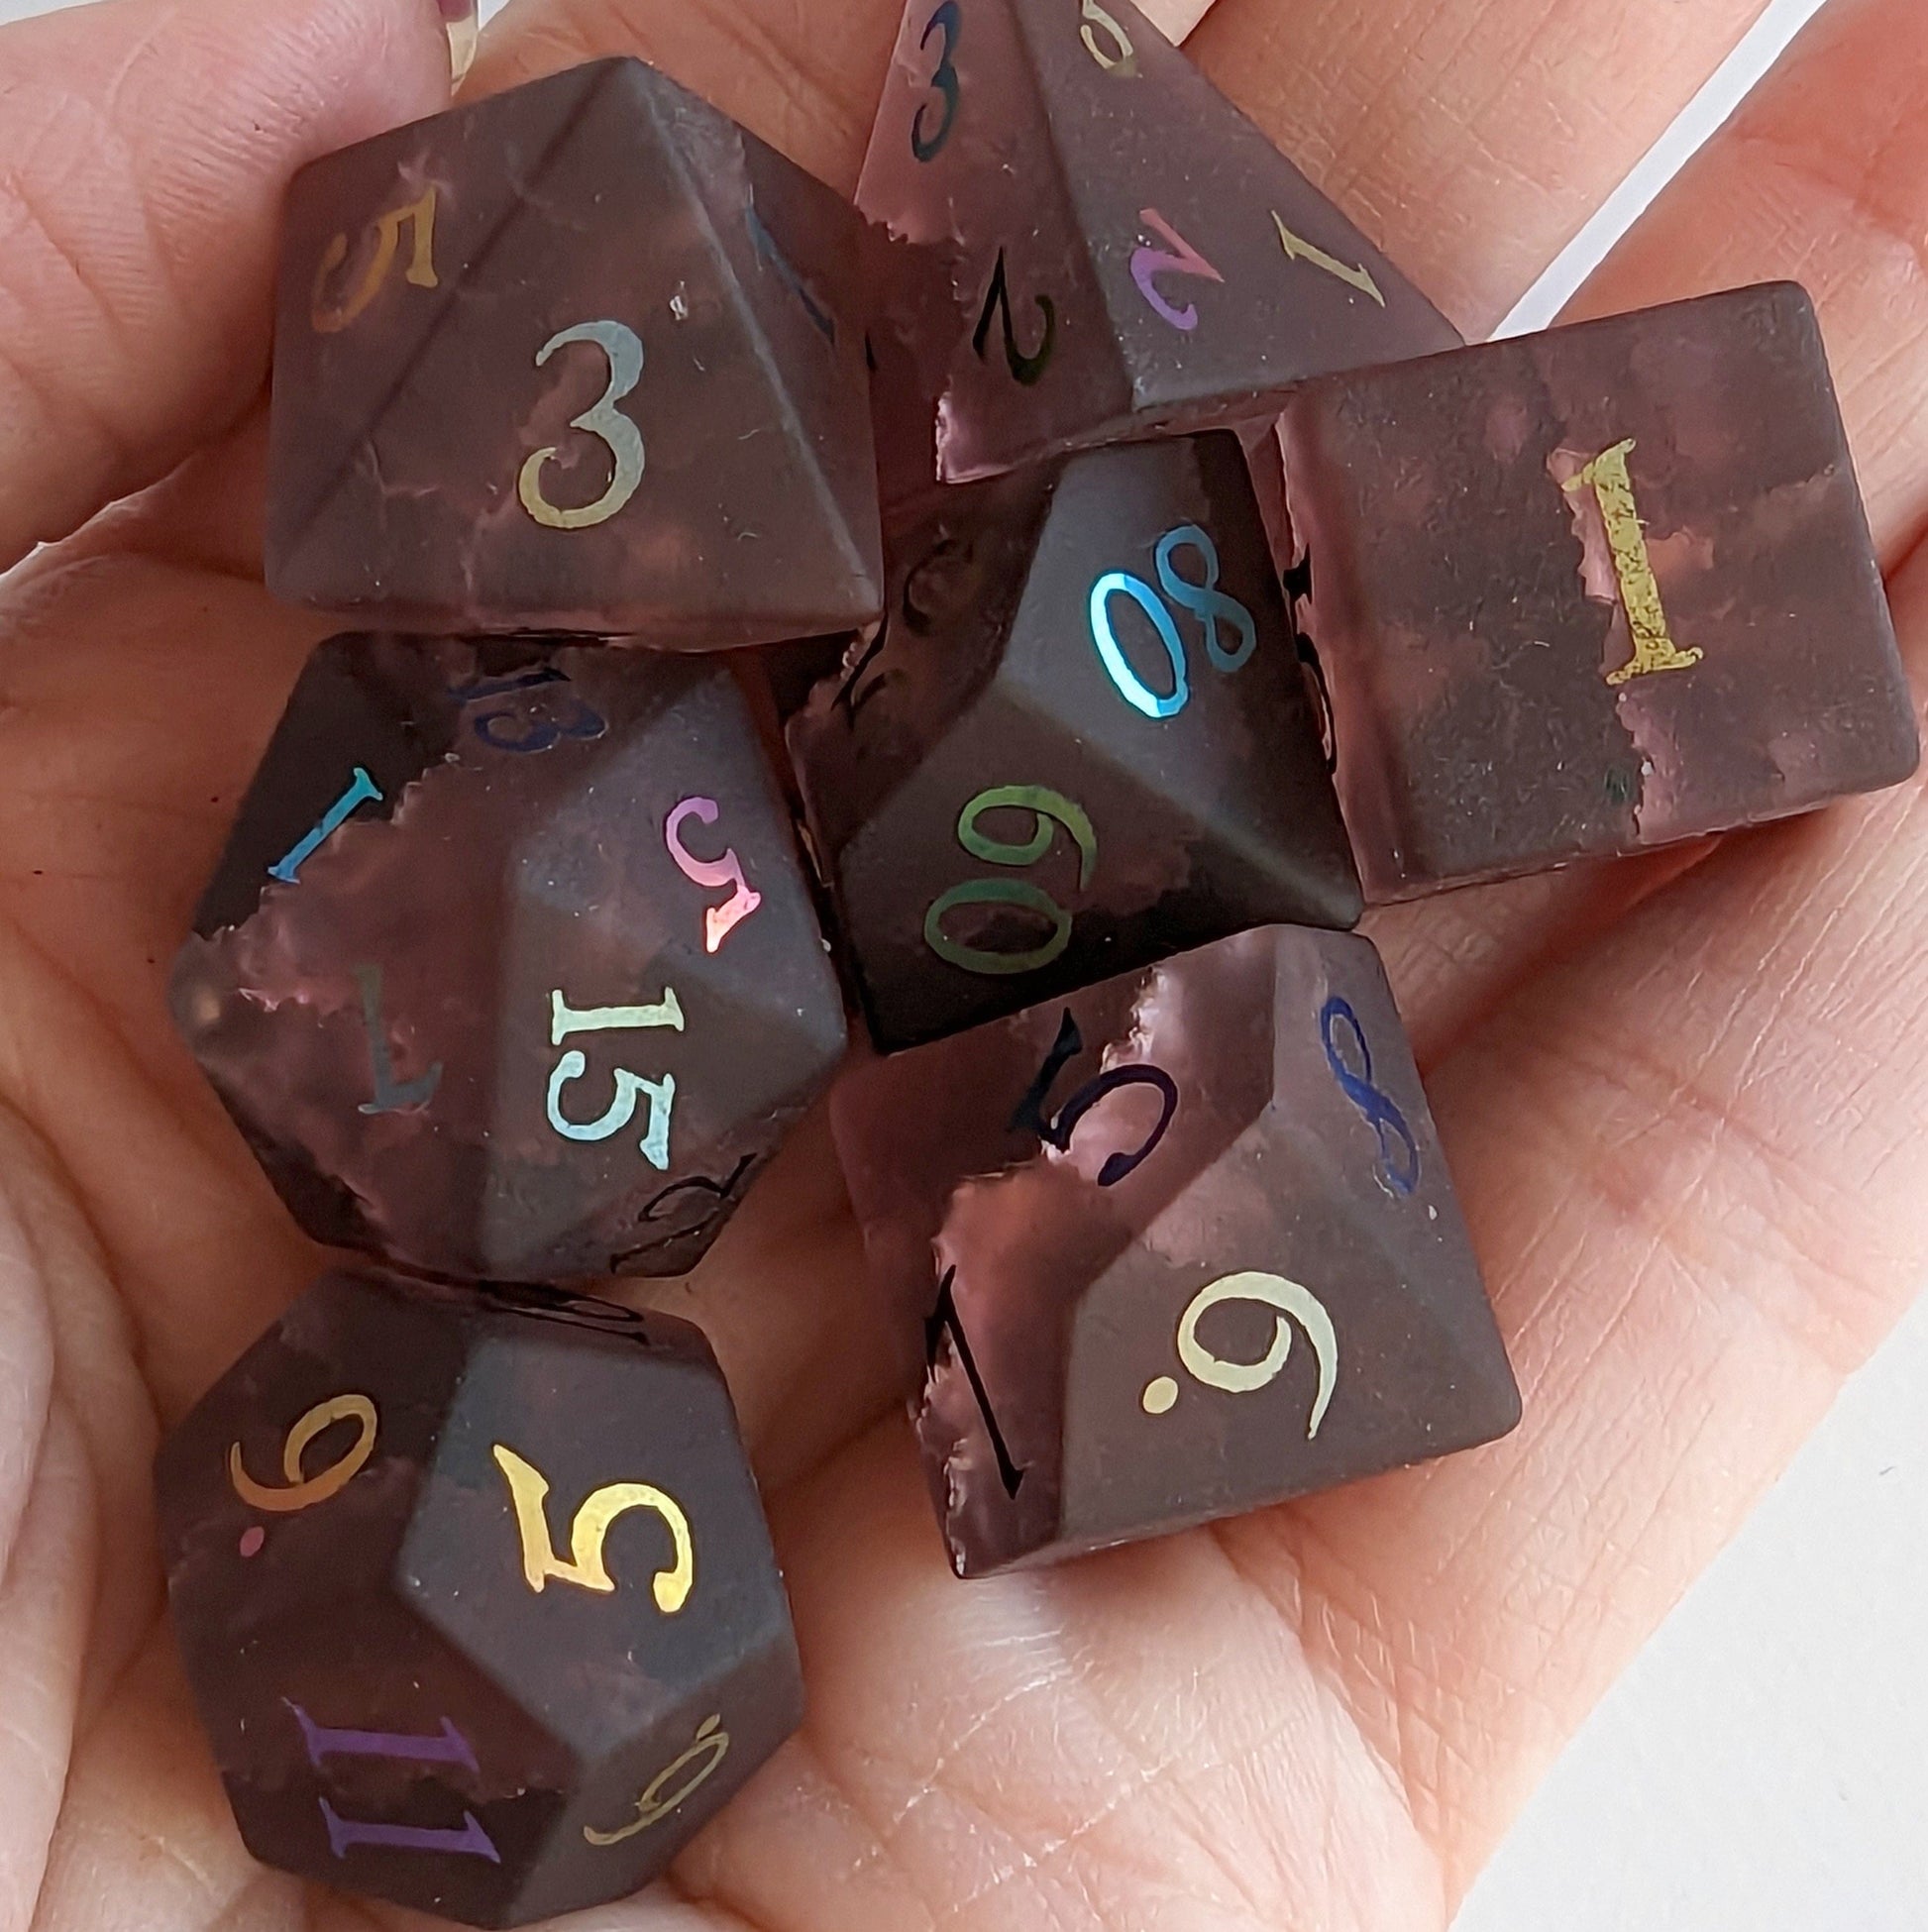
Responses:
[1593,590]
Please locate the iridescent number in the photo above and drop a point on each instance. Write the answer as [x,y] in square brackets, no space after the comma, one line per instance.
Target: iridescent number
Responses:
[1178,258]
[1030,367]
[362,788]
[623,440]
[584,1565]
[948,21]
[1335,1019]
[565,1020]
[392,1095]
[1205,601]
[1298,249]
[673,1784]
[329,318]
[304,1491]
[1050,809]
[1123,61]
[1031,1116]
[1213,1371]
[718,921]
[944,1317]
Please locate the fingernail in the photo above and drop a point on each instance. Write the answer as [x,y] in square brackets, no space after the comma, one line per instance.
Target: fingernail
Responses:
[464,30]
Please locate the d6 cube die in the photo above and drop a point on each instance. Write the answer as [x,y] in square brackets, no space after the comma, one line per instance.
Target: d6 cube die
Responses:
[1177,1245]
[474,1596]
[1081,741]
[511,969]
[1592,591]
[1124,251]
[575,356]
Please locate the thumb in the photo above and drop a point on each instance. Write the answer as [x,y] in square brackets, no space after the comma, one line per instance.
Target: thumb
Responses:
[145,149]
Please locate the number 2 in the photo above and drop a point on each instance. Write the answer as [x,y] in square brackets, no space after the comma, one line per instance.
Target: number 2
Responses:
[1028,368]
[603,419]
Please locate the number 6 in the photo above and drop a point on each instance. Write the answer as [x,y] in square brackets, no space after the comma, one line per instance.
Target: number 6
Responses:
[625,350]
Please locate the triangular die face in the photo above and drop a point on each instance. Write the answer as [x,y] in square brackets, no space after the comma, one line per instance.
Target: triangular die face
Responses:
[1308,1311]
[960,160]
[405,431]
[1226,272]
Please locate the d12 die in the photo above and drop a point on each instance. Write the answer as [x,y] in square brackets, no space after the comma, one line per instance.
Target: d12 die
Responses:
[1181,1244]
[1081,741]
[1126,250]
[511,969]
[1590,591]
[474,1594]
[573,358]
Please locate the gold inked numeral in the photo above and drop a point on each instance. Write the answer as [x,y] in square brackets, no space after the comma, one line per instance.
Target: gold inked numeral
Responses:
[1285,1298]
[1612,484]
[663,1793]
[603,420]
[304,1491]
[330,318]
[1123,61]
[585,1568]
[1298,249]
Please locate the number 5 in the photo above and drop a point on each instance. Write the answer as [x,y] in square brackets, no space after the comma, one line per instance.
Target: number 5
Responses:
[625,350]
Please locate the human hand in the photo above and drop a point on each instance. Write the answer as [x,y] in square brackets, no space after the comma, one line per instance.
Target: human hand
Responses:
[1677,1094]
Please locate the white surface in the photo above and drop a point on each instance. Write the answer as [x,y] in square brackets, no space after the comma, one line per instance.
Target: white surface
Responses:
[1762,1767]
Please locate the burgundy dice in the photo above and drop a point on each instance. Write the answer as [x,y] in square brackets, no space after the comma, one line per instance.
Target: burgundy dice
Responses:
[1177,1247]
[1592,592]
[1119,249]
[577,357]
[1081,741]
[474,1594]
[511,969]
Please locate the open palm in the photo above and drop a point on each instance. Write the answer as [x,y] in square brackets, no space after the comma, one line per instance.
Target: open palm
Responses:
[1682,1097]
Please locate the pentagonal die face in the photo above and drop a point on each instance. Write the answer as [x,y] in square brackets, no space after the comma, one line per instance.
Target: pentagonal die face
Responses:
[509,970]
[575,356]
[1181,1244]
[1124,251]
[475,1596]
[1082,742]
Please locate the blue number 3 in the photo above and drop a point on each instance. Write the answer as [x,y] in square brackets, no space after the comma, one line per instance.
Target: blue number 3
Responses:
[1205,601]
[950,21]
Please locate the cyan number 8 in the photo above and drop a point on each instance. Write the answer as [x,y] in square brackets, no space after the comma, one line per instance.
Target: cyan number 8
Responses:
[1205,601]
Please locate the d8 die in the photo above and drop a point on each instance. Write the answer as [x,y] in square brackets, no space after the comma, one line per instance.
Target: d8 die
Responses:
[1081,741]
[1125,251]
[1177,1245]
[511,969]
[474,1596]
[573,358]
[1592,592]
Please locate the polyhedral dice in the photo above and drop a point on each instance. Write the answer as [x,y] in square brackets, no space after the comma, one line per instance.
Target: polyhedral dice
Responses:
[1125,251]
[1592,592]
[474,1594]
[1177,1247]
[575,356]
[1081,741]
[511,969]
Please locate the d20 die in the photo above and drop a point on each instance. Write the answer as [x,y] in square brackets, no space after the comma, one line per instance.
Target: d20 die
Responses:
[575,356]
[1127,251]
[1082,742]
[511,969]
[1592,592]
[1178,1246]
[474,1594]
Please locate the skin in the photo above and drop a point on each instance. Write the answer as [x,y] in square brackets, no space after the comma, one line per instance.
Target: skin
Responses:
[1678,1097]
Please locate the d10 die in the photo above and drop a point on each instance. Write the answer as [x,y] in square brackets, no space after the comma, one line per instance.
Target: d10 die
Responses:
[1125,251]
[511,969]
[1592,591]
[1081,741]
[575,356]
[1178,1246]
[474,1596]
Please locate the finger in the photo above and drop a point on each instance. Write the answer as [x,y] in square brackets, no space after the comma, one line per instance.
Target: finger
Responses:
[144,152]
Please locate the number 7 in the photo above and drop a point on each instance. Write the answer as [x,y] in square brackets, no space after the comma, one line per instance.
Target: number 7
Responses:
[1182,259]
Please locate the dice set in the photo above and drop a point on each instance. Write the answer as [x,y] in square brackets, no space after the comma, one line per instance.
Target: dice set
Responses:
[1035,609]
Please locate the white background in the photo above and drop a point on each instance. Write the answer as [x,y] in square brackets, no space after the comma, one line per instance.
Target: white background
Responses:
[1764,1766]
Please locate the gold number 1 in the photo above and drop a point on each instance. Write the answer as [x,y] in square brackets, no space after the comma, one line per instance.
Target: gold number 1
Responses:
[529,1491]
[330,318]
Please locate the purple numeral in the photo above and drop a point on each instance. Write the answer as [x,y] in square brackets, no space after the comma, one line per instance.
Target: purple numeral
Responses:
[1182,259]
[323,1741]
[343,1834]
